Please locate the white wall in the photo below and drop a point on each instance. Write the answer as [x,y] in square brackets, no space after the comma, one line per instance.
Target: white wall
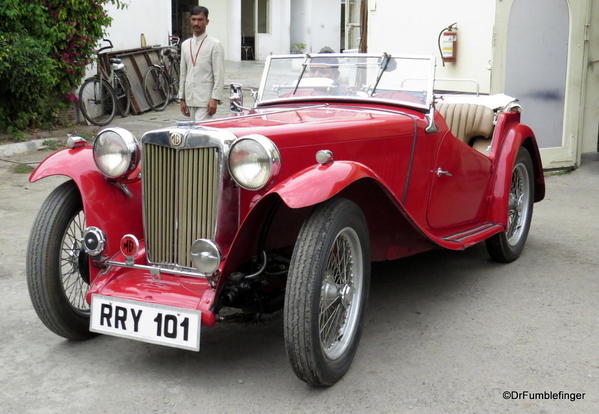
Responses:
[279,38]
[316,23]
[150,17]
[225,25]
[591,107]
[412,27]
[300,30]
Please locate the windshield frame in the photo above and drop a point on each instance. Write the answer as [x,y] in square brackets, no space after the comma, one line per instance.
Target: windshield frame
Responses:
[307,57]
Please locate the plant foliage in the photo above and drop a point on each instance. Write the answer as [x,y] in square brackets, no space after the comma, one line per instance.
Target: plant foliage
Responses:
[44,47]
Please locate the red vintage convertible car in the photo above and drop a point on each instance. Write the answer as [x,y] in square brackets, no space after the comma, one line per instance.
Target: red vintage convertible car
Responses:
[343,160]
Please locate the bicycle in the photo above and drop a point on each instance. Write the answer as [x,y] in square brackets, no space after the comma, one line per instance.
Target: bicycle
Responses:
[161,81]
[101,95]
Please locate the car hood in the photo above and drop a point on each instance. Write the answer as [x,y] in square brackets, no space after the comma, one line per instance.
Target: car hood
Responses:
[291,126]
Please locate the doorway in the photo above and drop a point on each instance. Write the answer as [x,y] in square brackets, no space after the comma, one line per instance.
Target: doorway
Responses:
[536,65]
[180,17]
[248,29]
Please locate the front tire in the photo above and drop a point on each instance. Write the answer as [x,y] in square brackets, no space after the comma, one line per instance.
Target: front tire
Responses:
[326,293]
[57,267]
[507,246]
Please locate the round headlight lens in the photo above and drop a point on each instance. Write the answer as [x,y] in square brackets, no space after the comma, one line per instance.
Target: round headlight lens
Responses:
[253,160]
[116,152]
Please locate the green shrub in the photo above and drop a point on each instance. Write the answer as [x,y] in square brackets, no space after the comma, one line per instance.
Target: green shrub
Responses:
[44,47]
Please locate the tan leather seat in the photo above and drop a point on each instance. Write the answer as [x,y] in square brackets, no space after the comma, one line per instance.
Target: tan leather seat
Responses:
[470,123]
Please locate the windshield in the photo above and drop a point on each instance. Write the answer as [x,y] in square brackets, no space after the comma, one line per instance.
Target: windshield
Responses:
[373,77]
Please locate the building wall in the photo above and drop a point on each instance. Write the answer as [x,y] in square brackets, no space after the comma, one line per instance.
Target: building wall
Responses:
[225,25]
[413,27]
[150,17]
[300,31]
[277,41]
[316,23]
[590,123]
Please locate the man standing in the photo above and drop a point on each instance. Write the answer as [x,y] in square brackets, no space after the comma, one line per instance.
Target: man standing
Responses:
[202,69]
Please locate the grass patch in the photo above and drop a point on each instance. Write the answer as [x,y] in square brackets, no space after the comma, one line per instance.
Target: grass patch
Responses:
[53,144]
[22,169]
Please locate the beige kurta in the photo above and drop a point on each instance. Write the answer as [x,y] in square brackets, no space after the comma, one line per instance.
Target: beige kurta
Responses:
[203,81]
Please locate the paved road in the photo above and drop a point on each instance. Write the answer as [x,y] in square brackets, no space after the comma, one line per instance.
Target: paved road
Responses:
[445,332]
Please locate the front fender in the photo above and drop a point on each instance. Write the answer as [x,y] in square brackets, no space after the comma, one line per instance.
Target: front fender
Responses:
[105,205]
[318,183]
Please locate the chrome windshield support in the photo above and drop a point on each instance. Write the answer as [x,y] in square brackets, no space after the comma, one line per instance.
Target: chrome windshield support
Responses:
[431,127]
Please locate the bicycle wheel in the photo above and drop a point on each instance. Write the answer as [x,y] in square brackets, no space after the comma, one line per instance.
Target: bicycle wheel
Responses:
[97,101]
[174,72]
[156,88]
[121,92]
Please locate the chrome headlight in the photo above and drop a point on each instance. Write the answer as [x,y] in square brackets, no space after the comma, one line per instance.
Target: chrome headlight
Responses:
[205,256]
[116,152]
[253,160]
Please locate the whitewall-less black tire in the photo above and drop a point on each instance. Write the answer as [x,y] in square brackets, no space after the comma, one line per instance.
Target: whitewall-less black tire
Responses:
[326,293]
[57,269]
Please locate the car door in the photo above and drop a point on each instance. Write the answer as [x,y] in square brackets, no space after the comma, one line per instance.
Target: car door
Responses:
[460,179]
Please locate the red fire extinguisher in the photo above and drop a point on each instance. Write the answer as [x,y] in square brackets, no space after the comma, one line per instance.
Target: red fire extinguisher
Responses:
[448,43]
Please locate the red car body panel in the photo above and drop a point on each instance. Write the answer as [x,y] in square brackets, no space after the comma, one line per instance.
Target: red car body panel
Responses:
[105,205]
[383,160]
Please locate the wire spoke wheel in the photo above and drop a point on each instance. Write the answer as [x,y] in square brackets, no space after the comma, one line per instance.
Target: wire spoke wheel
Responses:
[97,101]
[156,88]
[74,283]
[342,285]
[519,201]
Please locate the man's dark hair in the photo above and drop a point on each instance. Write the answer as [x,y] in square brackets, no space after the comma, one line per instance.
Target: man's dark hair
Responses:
[199,10]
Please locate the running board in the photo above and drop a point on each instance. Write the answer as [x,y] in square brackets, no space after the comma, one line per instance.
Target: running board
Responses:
[475,235]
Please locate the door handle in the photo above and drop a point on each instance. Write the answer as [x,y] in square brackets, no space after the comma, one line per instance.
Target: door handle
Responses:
[441,172]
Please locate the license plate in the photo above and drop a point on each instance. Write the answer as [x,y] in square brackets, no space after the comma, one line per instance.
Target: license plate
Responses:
[148,322]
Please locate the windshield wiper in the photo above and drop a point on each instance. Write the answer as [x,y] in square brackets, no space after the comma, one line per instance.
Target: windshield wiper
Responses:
[384,63]
[305,65]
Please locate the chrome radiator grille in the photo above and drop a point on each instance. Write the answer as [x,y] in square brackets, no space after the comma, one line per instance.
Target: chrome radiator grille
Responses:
[180,190]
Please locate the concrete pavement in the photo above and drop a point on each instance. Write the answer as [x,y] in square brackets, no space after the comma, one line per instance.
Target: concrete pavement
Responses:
[445,332]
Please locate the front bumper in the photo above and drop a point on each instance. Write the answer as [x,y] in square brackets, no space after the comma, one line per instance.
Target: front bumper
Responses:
[164,289]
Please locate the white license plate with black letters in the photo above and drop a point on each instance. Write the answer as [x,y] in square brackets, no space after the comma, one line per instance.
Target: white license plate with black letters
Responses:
[148,322]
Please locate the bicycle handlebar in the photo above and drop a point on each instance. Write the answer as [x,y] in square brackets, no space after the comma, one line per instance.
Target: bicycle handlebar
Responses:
[110,46]
[174,40]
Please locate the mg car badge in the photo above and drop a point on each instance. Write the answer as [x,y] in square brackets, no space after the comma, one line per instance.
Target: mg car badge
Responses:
[129,247]
[176,139]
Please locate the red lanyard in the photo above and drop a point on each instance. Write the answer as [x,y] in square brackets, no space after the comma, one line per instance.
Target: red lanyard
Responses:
[195,59]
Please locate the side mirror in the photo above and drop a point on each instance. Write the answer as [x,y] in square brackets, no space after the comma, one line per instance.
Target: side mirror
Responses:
[236,98]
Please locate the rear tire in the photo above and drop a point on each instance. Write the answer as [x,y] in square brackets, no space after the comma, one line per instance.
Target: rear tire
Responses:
[156,88]
[97,101]
[507,246]
[326,293]
[57,268]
